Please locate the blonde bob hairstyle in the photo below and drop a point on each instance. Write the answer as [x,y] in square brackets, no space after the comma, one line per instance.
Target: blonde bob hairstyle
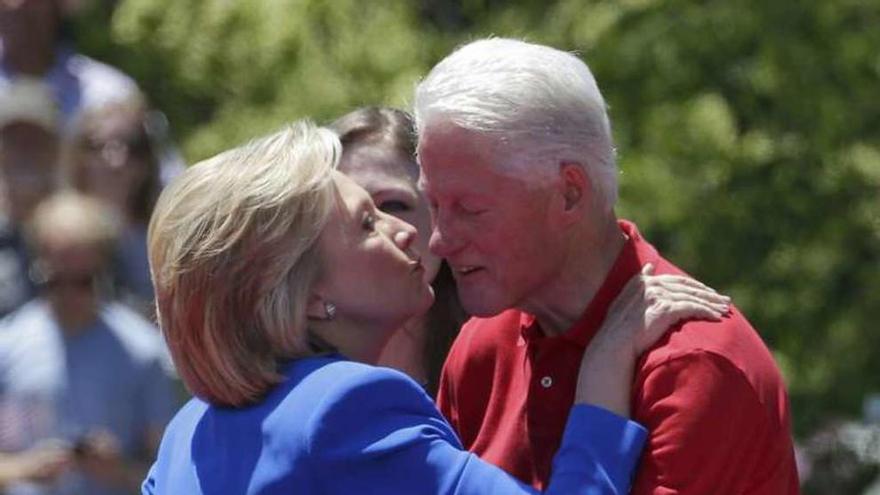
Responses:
[232,256]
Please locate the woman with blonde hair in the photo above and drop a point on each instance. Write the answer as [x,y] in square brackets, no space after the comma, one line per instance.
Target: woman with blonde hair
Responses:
[278,284]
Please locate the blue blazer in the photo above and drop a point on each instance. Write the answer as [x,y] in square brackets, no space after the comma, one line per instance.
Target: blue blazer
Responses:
[340,427]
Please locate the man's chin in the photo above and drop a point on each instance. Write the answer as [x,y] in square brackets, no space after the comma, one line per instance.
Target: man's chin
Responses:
[481,308]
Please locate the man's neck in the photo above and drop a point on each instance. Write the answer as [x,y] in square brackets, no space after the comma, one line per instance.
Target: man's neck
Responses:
[588,262]
[74,323]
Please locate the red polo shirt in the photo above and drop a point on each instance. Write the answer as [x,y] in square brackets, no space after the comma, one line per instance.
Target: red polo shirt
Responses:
[709,393]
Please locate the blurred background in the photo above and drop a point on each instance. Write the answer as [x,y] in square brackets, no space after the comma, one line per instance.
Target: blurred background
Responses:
[748,134]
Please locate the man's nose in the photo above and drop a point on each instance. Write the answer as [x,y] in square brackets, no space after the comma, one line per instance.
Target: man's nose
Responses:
[441,242]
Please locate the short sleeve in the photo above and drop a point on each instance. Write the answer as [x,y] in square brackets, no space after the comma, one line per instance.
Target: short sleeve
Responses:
[707,426]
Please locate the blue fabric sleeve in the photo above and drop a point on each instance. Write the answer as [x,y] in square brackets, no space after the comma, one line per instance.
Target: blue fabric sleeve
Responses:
[611,444]
[378,432]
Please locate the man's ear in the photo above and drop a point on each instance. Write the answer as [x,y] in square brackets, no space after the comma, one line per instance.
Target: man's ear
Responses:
[576,187]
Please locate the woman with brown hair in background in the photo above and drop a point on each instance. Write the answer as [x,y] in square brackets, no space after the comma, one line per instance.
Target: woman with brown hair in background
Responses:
[378,153]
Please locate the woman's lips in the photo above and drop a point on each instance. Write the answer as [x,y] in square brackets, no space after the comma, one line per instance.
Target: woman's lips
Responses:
[416,265]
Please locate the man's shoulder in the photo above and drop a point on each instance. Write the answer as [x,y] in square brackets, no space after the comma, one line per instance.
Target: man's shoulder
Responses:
[732,339]
[722,359]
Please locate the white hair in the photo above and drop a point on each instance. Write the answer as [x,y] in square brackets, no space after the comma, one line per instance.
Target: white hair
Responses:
[541,104]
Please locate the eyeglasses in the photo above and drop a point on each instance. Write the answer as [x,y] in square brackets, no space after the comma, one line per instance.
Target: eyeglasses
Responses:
[80,282]
[135,145]
[51,281]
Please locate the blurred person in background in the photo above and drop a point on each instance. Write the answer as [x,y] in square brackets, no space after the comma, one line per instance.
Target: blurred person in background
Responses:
[29,157]
[33,44]
[83,381]
[110,156]
[378,153]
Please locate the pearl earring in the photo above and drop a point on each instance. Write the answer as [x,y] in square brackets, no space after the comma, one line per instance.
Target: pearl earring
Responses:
[330,309]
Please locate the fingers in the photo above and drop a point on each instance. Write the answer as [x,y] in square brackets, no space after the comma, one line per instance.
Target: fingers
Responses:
[645,288]
[667,279]
[679,283]
[649,304]
[721,303]
[671,313]
[647,278]
[663,315]
[702,293]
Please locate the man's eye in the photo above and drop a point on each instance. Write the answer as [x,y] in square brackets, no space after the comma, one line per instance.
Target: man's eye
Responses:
[369,222]
[470,210]
[394,206]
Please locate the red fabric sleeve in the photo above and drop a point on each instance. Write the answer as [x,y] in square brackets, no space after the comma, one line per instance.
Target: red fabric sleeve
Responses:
[707,428]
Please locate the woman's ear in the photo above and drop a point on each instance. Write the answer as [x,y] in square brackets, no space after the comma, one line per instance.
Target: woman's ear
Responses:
[316,308]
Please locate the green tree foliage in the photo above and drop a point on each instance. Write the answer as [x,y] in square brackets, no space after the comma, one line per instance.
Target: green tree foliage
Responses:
[225,71]
[748,131]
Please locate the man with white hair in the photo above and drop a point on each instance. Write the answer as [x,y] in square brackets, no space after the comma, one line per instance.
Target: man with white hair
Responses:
[518,164]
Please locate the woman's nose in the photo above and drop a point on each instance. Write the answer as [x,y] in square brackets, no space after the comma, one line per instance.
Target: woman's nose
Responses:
[405,237]
[403,234]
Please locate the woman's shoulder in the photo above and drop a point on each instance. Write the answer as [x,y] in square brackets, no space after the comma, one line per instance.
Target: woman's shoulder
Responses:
[332,378]
[315,391]
[333,397]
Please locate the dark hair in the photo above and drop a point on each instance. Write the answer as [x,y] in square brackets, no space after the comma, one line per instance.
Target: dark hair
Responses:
[394,129]
[376,126]
[443,321]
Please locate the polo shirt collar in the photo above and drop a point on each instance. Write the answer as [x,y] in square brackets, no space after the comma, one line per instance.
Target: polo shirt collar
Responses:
[636,252]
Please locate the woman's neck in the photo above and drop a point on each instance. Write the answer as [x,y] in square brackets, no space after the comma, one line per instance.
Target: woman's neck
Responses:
[405,350]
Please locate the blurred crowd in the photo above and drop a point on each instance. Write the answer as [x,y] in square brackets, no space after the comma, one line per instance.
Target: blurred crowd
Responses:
[86,386]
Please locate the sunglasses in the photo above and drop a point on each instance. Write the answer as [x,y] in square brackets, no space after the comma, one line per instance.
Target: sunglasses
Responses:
[137,145]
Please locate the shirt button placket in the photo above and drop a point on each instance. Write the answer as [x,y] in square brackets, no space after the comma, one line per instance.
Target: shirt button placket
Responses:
[547,381]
